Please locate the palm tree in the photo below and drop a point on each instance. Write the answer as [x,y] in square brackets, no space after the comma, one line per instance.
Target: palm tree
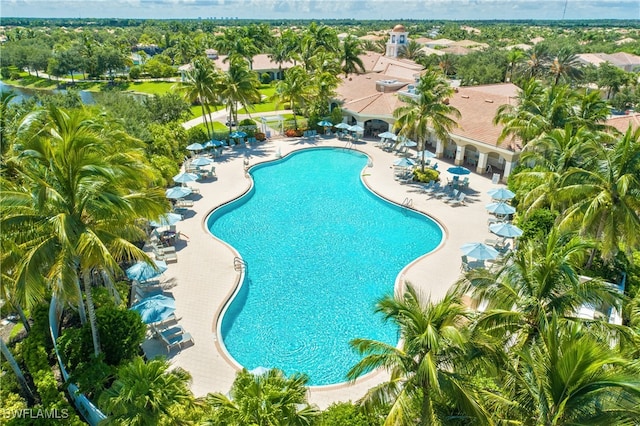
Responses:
[425,374]
[265,399]
[412,50]
[239,85]
[350,56]
[283,48]
[199,85]
[514,58]
[5,99]
[294,89]
[571,377]
[604,198]
[427,111]
[82,189]
[147,394]
[566,66]
[537,62]
[590,111]
[533,284]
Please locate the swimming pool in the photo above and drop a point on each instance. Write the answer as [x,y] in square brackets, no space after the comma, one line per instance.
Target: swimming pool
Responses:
[321,249]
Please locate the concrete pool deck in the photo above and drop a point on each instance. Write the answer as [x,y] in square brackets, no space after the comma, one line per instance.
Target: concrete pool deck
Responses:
[204,277]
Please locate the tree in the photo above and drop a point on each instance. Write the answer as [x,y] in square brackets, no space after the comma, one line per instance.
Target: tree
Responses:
[604,198]
[412,50]
[566,66]
[427,111]
[239,85]
[147,393]
[424,368]
[268,399]
[514,58]
[350,55]
[294,89]
[82,187]
[199,86]
[537,62]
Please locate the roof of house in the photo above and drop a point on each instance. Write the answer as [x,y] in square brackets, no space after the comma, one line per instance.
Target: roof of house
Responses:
[618,59]
[456,50]
[260,62]
[404,69]
[471,44]
[622,122]
[429,51]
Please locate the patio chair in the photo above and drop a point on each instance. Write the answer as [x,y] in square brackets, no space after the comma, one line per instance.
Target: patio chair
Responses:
[452,196]
[167,330]
[459,200]
[168,256]
[176,341]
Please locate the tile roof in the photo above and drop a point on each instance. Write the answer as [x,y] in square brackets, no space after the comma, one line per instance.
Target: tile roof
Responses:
[622,122]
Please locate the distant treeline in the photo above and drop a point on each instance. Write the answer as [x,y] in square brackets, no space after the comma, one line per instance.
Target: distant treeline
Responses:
[211,23]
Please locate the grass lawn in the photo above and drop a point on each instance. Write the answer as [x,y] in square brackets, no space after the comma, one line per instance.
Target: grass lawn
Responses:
[151,87]
[33,82]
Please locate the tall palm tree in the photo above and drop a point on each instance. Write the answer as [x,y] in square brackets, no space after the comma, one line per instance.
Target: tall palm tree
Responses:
[283,48]
[571,377]
[514,58]
[590,111]
[605,198]
[537,62]
[81,190]
[566,66]
[424,368]
[427,111]
[239,85]
[266,399]
[147,394]
[199,86]
[531,285]
[350,56]
[412,50]
[5,99]
[294,89]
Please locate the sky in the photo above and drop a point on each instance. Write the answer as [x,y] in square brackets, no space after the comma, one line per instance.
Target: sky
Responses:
[325,9]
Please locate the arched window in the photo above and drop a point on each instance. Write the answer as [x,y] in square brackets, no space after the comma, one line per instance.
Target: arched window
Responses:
[401,39]
[393,39]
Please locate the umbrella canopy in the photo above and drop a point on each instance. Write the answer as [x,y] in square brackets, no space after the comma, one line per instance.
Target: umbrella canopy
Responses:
[356,128]
[388,135]
[238,134]
[155,308]
[177,192]
[458,170]
[167,219]
[195,147]
[408,143]
[185,177]
[142,271]
[501,194]
[201,161]
[500,208]
[479,251]
[506,230]
[325,123]
[216,143]
[427,154]
[404,162]
[342,126]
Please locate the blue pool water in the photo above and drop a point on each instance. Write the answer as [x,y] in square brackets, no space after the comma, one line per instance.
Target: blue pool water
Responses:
[321,249]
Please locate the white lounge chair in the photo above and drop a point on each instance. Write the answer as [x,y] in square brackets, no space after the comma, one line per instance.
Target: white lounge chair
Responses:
[459,200]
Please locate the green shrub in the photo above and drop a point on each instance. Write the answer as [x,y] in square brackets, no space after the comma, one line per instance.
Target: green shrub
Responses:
[427,176]
[121,333]
[93,376]
[346,414]
[538,224]
[265,78]
[197,135]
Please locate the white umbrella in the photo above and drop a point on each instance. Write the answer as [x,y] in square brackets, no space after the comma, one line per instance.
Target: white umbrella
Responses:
[201,161]
[479,251]
[388,135]
[195,147]
[356,128]
[342,126]
[167,219]
[185,177]
[427,154]
[506,230]
[500,208]
[177,192]
[408,143]
[501,194]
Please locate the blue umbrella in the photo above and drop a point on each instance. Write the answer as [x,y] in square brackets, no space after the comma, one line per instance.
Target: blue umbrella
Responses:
[201,161]
[216,143]
[177,192]
[408,142]
[167,219]
[142,271]
[388,135]
[237,134]
[195,147]
[427,154]
[506,230]
[500,208]
[501,194]
[325,123]
[155,308]
[404,162]
[185,177]
[356,128]
[479,251]
[458,170]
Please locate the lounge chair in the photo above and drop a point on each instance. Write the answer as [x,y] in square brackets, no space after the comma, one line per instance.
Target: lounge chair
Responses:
[168,331]
[459,200]
[176,341]
[167,256]
[184,203]
[452,196]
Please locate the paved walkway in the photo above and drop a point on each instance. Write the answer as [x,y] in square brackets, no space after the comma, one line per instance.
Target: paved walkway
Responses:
[204,277]
[222,114]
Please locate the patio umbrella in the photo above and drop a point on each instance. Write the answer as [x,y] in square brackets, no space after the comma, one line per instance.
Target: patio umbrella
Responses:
[216,143]
[501,194]
[167,219]
[155,308]
[185,177]
[342,126]
[195,147]
[404,162]
[177,192]
[201,161]
[458,170]
[407,143]
[388,135]
[506,230]
[238,134]
[142,271]
[479,251]
[427,154]
[325,123]
[356,128]
[500,208]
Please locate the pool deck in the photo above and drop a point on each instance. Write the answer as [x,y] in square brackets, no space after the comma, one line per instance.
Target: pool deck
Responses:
[204,277]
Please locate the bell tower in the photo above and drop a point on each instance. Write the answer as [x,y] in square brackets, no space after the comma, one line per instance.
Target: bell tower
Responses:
[398,37]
